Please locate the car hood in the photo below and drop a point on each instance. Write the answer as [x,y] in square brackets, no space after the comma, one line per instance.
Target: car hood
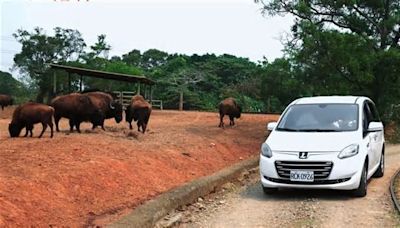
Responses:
[311,141]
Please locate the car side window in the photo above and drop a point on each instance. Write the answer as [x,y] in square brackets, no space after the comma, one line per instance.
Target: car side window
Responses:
[367,118]
[374,112]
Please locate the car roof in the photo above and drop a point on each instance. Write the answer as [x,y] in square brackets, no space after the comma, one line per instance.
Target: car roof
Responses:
[331,100]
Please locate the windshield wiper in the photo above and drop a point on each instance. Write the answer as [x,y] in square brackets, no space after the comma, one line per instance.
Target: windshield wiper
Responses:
[287,129]
[320,130]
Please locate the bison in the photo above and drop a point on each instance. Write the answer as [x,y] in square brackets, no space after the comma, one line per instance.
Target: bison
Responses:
[229,107]
[139,110]
[5,100]
[108,106]
[77,108]
[26,115]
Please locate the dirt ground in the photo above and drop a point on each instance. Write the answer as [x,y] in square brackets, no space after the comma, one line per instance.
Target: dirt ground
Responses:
[250,207]
[75,179]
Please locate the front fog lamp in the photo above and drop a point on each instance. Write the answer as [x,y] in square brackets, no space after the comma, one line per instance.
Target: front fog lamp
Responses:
[266,151]
[349,151]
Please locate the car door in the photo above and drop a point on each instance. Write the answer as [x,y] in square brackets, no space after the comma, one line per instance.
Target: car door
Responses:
[377,137]
[367,136]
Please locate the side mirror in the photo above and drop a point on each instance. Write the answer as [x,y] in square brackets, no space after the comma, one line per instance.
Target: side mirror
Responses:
[375,126]
[271,126]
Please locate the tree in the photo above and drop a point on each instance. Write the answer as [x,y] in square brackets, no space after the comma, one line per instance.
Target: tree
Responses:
[100,47]
[334,62]
[153,58]
[337,46]
[39,49]
[13,87]
[133,58]
[281,84]
[181,77]
[373,20]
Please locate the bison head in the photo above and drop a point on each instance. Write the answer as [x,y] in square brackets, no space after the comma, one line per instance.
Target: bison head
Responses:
[117,110]
[14,129]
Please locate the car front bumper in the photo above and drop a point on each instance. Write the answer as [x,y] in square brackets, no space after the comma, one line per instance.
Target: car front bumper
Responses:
[344,175]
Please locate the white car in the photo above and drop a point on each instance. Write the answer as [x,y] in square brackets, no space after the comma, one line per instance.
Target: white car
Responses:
[327,142]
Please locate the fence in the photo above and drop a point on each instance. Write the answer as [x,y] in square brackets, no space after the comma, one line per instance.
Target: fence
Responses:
[157,103]
[125,97]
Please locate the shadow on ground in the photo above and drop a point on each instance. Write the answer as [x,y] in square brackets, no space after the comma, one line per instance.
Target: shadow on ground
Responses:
[255,192]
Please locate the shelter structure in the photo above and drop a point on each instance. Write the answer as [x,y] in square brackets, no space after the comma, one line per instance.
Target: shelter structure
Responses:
[141,81]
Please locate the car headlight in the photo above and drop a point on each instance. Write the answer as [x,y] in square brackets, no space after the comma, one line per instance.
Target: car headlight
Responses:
[266,151]
[349,151]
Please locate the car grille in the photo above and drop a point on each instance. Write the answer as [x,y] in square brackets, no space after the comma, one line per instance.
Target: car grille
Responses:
[321,169]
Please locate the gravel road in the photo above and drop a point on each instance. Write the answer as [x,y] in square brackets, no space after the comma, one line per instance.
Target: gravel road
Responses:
[250,207]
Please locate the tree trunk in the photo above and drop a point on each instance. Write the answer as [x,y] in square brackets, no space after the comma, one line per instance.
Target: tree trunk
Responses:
[181,101]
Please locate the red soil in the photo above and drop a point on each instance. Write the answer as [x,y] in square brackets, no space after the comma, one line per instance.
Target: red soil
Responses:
[81,179]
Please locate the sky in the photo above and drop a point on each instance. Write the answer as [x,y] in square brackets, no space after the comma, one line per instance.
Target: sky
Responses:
[234,27]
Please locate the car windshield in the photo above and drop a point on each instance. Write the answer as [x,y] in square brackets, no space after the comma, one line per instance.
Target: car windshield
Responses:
[320,118]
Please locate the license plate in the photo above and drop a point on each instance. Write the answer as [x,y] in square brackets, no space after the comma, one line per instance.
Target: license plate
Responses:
[300,175]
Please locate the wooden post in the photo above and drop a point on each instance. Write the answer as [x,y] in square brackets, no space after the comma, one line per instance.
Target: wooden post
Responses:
[151,93]
[138,89]
[181,100]
[54,83]
[69,82]
[80,84]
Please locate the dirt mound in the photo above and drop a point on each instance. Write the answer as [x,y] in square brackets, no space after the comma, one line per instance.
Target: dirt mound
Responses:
[75,178]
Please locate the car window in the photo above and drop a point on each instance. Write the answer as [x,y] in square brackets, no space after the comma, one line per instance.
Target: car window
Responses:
[367,116]
[374,112]
[320,117]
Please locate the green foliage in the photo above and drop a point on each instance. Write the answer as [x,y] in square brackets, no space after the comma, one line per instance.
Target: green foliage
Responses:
[116,66]
[13,87]
[100,47]
[39,49]
[341,47]
[281,85]
[372,20]
[200,81]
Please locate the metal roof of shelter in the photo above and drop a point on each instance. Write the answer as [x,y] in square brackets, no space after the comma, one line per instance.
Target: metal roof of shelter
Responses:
[103,74]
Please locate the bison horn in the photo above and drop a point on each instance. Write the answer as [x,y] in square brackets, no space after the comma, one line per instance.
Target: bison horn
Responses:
[111,106]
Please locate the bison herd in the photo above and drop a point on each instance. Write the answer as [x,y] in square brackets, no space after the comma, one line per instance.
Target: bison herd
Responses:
[93,107]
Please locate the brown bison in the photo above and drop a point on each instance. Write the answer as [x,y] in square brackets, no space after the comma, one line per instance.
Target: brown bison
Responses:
[26,115]
[108,106]
[229,107]
[139,110]
[5,100]
[77,108]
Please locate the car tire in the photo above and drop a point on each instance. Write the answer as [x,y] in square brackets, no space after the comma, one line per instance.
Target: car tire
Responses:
[381,169]
[361,191]
[269,191]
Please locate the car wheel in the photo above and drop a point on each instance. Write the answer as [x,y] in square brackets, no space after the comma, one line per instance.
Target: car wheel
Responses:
[381,169]
[269,190]
[361,191]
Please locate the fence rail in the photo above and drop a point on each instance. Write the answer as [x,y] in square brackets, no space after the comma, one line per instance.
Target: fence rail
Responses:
[157,103]
[125,97]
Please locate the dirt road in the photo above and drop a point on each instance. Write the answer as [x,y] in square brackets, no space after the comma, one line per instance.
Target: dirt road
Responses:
[307,208]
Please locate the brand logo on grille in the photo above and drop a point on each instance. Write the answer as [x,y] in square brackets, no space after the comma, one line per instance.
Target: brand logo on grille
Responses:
[303,155]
